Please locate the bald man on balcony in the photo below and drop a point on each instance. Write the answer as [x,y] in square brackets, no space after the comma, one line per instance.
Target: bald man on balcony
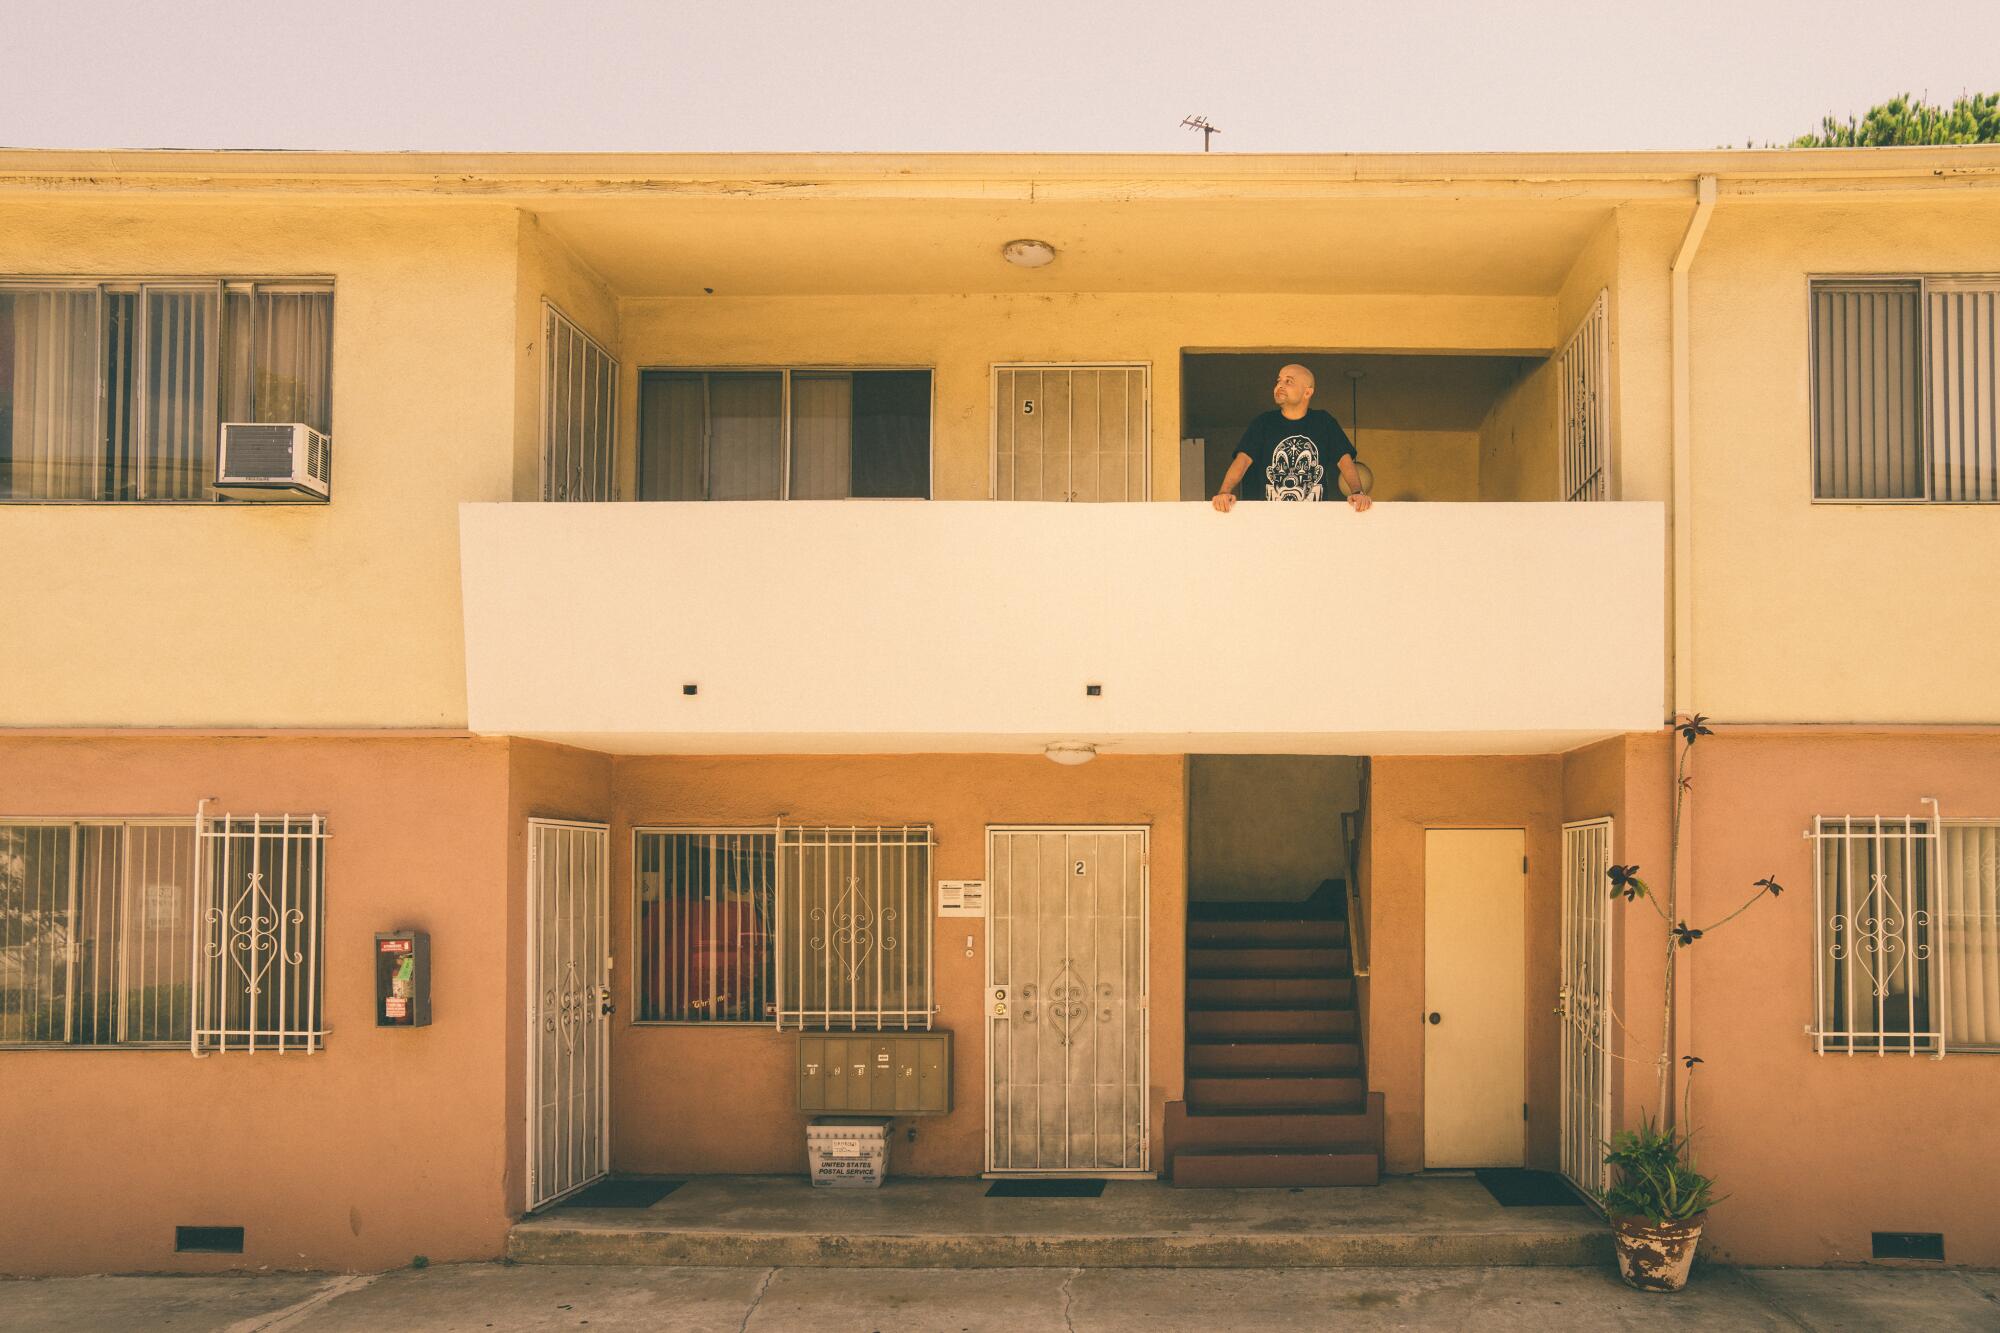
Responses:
[1285,453]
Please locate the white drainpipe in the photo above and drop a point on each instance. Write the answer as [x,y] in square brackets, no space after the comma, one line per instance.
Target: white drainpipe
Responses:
[1683,406]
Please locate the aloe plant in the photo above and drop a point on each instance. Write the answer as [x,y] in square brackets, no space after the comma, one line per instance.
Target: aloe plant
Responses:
[1656,1176]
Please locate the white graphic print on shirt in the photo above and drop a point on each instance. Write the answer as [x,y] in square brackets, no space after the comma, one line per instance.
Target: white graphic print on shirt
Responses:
[1295,472]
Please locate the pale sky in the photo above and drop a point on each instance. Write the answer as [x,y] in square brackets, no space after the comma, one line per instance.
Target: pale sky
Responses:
[979,75]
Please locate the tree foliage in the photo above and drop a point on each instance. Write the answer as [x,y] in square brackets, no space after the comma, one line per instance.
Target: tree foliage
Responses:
[1974,118]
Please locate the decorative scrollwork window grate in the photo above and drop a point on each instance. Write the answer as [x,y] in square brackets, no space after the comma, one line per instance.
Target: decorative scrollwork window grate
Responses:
[1877,969]
[259,919]
[854,928]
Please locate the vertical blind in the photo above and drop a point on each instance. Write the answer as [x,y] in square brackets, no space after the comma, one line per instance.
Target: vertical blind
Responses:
[1964,382]
[115,391]
[1972,936]
[1906,390]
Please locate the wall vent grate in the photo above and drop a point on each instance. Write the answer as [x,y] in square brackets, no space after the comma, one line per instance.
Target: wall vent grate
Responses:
[1909,1245]
[208,1240]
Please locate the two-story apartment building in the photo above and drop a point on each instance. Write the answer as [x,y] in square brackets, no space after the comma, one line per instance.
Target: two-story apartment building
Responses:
[1265,847]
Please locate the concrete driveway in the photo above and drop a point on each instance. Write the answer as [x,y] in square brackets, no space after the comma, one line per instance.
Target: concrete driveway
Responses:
[1018,1300]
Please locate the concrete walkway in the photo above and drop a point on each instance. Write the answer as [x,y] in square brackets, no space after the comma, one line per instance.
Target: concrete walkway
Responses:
[781,1221]
[1036,1300]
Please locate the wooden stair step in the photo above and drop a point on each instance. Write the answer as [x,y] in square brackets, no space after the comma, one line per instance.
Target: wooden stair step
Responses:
[1207,961]
[1267,934]
[1213,1024]
[1269,992]
[1263,1168]
[1277,1056]
[1358,1130]
[1275,1090]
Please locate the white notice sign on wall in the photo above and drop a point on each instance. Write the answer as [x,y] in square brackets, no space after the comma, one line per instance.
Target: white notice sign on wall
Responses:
[961,897]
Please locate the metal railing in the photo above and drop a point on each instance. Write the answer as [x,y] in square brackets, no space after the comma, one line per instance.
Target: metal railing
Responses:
[1357,917]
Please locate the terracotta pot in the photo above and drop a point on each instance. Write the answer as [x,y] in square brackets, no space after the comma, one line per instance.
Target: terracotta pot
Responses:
[1656,1258]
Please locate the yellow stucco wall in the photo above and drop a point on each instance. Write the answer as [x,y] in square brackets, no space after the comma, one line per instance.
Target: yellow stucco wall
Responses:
[1825,612]
[344,614]
[155,615]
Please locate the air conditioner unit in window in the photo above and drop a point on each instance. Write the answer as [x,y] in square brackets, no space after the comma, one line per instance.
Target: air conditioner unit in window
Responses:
[259,458]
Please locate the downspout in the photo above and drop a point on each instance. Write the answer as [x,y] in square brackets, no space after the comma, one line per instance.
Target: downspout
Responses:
[1681,999]
[1683,407]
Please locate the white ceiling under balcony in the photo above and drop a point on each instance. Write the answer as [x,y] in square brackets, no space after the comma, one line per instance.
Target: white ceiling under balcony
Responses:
[767,244]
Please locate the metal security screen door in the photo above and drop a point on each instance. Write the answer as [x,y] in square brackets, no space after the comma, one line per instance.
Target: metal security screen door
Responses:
[569,992]
[1066,1001]
[1070,432]
[1585,1002]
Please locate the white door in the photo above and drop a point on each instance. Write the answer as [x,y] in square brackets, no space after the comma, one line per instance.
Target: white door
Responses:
[569,999]
[1474,1017]
[1070,432]
[1066,1001]
[1585,1002]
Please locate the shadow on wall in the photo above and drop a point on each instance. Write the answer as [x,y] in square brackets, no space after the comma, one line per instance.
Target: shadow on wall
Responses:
[1266,828]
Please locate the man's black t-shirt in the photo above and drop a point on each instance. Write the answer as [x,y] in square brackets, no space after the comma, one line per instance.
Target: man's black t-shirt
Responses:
[1294,460]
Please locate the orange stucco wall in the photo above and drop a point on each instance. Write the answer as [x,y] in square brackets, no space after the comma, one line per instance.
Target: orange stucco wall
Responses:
[1816,1151]
[387,1144]
[1406,797]
[722,1098]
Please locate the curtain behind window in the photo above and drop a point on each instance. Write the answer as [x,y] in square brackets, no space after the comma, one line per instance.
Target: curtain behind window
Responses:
[1972,935]
[822,435]
[745,436]
[179,409]
[671,425]
[278,358]
[48,396]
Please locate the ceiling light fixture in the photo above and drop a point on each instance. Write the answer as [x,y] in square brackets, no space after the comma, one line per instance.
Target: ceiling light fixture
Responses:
[1071,753]
[1029,253]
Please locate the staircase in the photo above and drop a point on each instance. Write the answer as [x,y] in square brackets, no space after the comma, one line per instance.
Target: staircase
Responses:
[1277,1094]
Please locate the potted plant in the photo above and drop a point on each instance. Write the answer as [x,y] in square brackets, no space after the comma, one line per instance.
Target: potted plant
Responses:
[1657,1205]
[1658,1201]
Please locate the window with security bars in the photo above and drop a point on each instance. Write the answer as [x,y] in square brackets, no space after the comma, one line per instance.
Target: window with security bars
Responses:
[259,924]
[96,920]
[579,413]
[702,914]
[808,927]
[854,928]
[1582,372]
[1908,914]
[1906,389]
[116,390]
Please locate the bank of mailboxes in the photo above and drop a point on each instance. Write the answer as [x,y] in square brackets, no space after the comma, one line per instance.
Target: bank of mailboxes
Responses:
[877,1073]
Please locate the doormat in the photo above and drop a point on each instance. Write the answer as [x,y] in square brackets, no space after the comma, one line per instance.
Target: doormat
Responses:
[627,1192]
[1516,1188]
[1045,1189]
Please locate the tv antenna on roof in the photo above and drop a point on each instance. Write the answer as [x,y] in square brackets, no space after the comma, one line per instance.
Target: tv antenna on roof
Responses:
[1200,123]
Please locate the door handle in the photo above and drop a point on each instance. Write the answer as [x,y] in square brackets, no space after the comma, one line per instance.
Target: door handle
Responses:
[1436,1018]
[604,1004]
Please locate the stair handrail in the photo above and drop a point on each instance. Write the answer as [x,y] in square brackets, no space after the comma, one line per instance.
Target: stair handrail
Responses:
[1357,925]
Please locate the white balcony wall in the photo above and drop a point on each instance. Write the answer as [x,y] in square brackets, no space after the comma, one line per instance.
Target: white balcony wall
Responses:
[858,626]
